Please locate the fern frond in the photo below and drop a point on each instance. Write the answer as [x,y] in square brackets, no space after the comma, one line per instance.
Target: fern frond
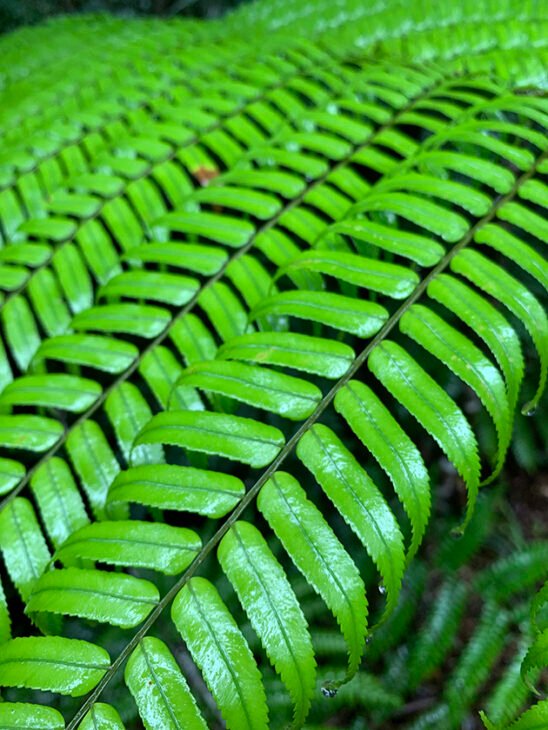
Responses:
[438,635]
[534,718]
[197,270]
[515,573]
[273,610]
[510,693]
[477,659]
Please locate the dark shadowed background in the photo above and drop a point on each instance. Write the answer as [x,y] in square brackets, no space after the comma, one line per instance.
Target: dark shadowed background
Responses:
[26,12]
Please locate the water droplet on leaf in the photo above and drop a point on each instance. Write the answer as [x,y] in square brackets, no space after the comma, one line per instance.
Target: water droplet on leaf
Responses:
[529,409]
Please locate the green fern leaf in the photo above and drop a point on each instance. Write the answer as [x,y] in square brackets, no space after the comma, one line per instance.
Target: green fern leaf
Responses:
[158,287]
[31,433]
[26,715]
[95,464]
[102,717]
[539,620]
[58,498]
[102,353]
[473,201]
[48,303]
[161,370]
[534,719]
[430,216]
[224,309]
[134,544]
[222,654]
[421,249]
[142,320]
[488,323]
[205,260]
[270,603]
[11,473]
[225,229]
[360,503]
[434,410]
[24,549]
[288,396]
[52,663]
[20,330]
[74,278]
[536,658]
[233,437]
[480,170]
[390,279]
[521,302]
[114,598]
[361,318]
[320,557]
[128,412]
[288,349]
[177,487]
[393,449]
[160,690]
[5,621]
[510,693]
[192,339]
[259,205]
[67,392]
[515,249]
[523,218]
[468,363]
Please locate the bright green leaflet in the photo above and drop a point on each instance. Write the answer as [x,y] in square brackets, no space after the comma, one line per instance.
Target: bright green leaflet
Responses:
[319,555]
[221,652]
[53,663]
[288,349]
[288,396]
[134,544]
[360,503]
[536,658]
[233,437]
[361,318]
[178,488]
[102,717]
[434,410]
[160,689]
[25,715]
[390,279]
[377,429]
[114,598]
[67,392]
[273,610]
[468,362]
